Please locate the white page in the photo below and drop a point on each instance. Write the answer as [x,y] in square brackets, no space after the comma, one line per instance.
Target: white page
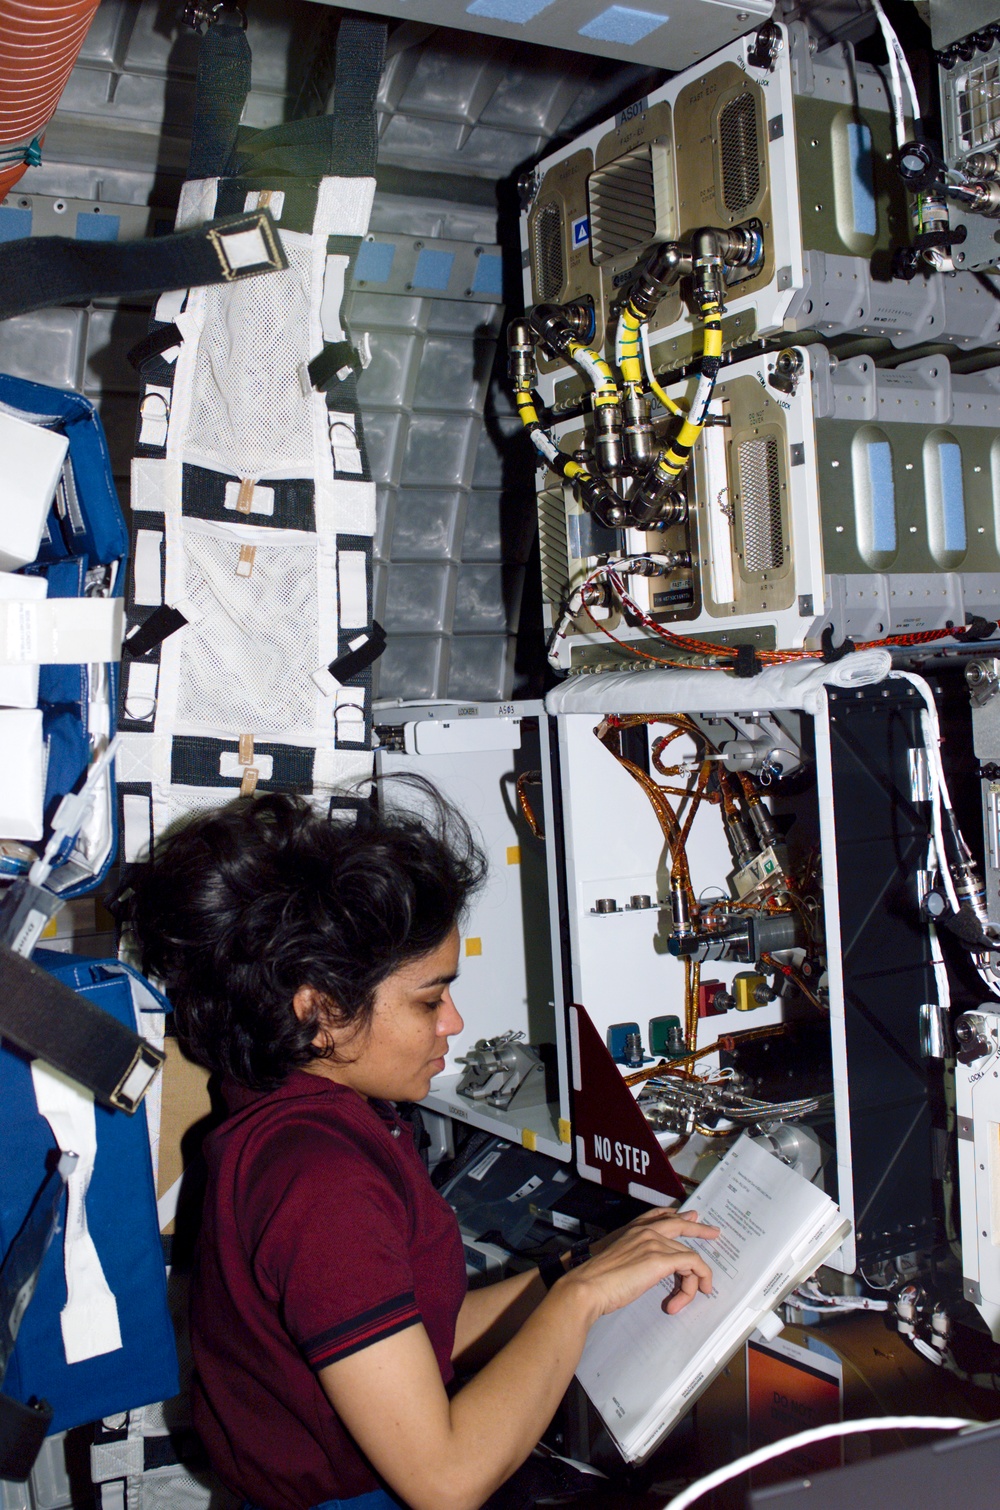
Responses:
[639,1358]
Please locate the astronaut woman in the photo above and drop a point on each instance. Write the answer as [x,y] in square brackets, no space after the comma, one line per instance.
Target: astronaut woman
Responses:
[310,964]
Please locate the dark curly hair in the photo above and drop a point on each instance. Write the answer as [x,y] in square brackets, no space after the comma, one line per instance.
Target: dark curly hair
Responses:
[242,906]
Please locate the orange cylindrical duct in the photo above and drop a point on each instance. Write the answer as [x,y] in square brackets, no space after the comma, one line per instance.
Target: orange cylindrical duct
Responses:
[40,41]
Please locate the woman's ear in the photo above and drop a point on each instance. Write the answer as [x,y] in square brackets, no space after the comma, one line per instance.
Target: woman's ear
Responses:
[308,1003]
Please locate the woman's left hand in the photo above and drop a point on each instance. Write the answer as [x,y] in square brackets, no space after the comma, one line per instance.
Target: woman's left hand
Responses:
[667,1221]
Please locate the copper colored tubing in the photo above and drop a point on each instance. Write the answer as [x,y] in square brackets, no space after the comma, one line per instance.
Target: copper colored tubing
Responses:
[526,779]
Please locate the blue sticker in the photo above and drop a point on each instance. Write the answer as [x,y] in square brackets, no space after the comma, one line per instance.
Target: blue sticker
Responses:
[433,270]
[882,491]
[14,224]
[581,230]
[952,496]
[91,226]
[622,24]
[859,141]
[374,262]
[489,275]
[515,11]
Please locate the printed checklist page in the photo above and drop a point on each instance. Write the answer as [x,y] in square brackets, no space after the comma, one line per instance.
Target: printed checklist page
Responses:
[639,1363]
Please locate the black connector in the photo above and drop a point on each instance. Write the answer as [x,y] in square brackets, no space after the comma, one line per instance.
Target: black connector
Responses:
[919,166]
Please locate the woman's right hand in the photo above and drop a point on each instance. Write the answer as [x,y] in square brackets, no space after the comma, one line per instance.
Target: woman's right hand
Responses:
[643,1254]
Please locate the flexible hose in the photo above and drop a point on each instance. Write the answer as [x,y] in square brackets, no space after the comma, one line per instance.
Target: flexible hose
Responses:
[597,370]
[627,342]
[543,442]
[671,463]
[40,41]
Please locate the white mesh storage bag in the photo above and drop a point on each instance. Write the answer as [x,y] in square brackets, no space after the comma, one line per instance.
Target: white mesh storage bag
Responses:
[250,634]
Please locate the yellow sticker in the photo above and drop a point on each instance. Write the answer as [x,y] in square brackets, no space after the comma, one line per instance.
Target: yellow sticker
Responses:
[565,1134]
[529,1139]
[513,854]
[51,929]
[473,946]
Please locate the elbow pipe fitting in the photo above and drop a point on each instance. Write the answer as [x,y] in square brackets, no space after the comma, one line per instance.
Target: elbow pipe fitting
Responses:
[657,499]
[667,263]
[656,506]
[714,250]
[598,499]
[556,325]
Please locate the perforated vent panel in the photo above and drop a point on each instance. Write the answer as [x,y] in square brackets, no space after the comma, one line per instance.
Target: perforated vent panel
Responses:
[740,153]
[979,106]
[622,205]
[552,541]
[548,259]
[760,491]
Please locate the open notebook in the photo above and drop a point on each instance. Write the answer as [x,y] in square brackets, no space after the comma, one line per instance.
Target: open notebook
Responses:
[641,1368]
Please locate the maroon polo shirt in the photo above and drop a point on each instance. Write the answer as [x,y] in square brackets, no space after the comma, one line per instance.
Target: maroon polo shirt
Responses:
[321,1235]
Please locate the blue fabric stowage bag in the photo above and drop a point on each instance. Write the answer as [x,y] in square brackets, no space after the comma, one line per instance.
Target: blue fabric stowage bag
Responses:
[83,552]
[121,1215]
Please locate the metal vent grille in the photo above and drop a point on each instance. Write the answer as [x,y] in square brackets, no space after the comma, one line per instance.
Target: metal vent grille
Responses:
[547,253]
[622,205]
[740,153]
[760,492]
[979,106]
[554,546]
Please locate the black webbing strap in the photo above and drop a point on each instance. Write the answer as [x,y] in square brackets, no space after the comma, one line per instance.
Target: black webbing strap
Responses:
[47,1020]
[220,95]
[163,621]
[42,270]
[360,57]
[353,662]
[343,143]
[154,345]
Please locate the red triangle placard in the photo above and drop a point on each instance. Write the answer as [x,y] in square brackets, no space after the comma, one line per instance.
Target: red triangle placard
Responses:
[614,1144]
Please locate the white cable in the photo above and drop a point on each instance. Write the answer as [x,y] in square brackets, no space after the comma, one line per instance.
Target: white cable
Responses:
[940,971]
[895,83]
[989,974]
[899,70]
[939,785]
[647,356]
[573,605]
[809,1294]
[805,1439]
[990,978]
[893,43]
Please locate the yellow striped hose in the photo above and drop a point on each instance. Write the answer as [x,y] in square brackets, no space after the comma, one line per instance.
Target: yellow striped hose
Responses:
[597,369]
[630,324]
[673,461]
[557,460]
